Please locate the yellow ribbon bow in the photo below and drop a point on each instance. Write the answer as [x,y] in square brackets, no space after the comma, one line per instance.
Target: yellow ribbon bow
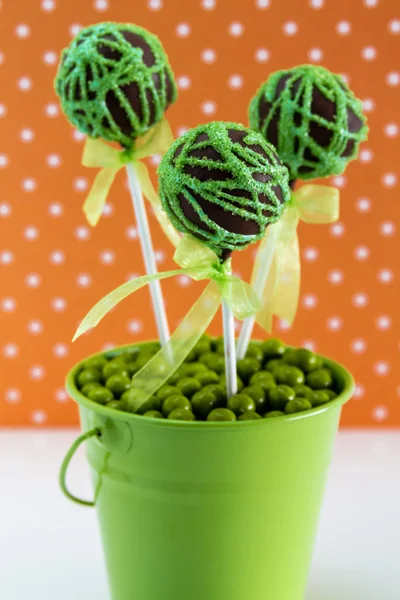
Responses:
[317,204]
[98,154]
[198,262]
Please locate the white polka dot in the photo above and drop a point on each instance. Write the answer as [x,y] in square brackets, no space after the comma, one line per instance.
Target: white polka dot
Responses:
[51,110]
[387,228]
[345,77]
[283,325]
[337,230]
[335,276]
[10,351]
[309,344]
[310,254]
[82,232]
[5,209]
[108,346]
[317,4]
[235,82]
[53,160]
[60,395]
[56,209]
[183,30]
[358,346]
[101,5]
[340,181]
[26,135]
[262,55]
[394,26]
[391,130]
[60,350]
[370,3]
[184,82]
[107,257]
[31,233]
[315,54]
[74,29]
[3,109]
[383,322]
[2,58]
[366,156]
[12,395]
[236,29]
[39,417]
[389,180]
[50,57]
[6,257]
[263,4]
[361,253]
[393,78]
[363,205]
[33,280]
[334,323]
[181,130]
[360,300]
[24,84]
[84,280]
[35,326]
[28,184]
[359,391]
[4,160]
[159,255]
[208,4]
[385,276]
[108,210]
[381,368]
[368,53]
[290,28]
[37,372]
[368,105]
[8,305]
[380,413]
[131,276]
[134,326]
[80,184]
[58,304]
[57,257]
[155,4]
[48,5]
[78,136]
[208,108]
[343,27]
[131,232]
[155,159]
[184,281]
[22,31]
[309,301]
[208,55]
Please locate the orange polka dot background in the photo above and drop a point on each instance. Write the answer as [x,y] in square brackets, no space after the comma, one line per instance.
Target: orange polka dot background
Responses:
[54,266]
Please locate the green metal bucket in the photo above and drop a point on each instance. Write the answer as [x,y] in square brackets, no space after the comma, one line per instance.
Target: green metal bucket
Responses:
[208,511]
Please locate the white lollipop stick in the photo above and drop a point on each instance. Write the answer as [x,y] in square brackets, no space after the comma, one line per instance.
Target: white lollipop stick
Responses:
[148,254]
[229,349]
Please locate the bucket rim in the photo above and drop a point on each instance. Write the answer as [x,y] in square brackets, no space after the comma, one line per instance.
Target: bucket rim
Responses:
[339,370]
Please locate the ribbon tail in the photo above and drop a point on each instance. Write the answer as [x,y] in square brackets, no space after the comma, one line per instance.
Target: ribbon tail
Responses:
[160,368]
[240,297]
[103,307]
[287,294]
[264,316]
[95,201]
[151,194]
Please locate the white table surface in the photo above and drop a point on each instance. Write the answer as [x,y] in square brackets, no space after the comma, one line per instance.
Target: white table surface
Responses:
[50,547]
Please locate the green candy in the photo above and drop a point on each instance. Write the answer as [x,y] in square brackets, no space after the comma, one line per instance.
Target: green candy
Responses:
[297,405]
[239,382]
[153,414]
[118,384]
[221,414]
[213,361]
[263,379]
[96,362]
[203,345]
[173,402]
[303,358]
[303,391]
[319,397]
[133,399]
[181,414]
[289,375]
[280,395]
[274,413]
[330,393]
[273,348]
[129,356]
[116,366]
[191,369]
[173,380]
[116,405]
[101,395]
[206,377]
[88,376]
[188,386]
[219,346]
[249,416]
[167,390]
[319,379]
[255,351]
[217,389]
[204,402]
[247,367]
[240,404]
[273,364]
[90,386]
[258,394]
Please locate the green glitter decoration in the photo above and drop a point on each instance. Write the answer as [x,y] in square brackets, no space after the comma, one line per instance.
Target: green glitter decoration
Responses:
[313,119]
[228,166]
[110,87]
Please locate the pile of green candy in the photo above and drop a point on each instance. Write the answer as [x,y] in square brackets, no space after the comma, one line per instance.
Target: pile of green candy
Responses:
[273,380]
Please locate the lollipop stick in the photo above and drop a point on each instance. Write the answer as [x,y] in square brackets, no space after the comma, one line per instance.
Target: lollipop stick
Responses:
[258,286]
[230,350]
[148,254]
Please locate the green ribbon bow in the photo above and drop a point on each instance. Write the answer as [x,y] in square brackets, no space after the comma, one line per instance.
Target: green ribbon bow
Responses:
[200,263]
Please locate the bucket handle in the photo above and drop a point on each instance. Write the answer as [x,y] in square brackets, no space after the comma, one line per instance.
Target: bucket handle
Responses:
[66,462]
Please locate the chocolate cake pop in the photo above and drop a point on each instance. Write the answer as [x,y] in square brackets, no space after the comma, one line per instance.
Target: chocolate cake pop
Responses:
[115,82]
[223,184]
[312,118]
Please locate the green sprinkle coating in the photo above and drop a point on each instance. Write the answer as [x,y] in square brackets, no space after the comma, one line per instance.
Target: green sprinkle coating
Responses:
[313,119]
[114,82]
[223,184]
